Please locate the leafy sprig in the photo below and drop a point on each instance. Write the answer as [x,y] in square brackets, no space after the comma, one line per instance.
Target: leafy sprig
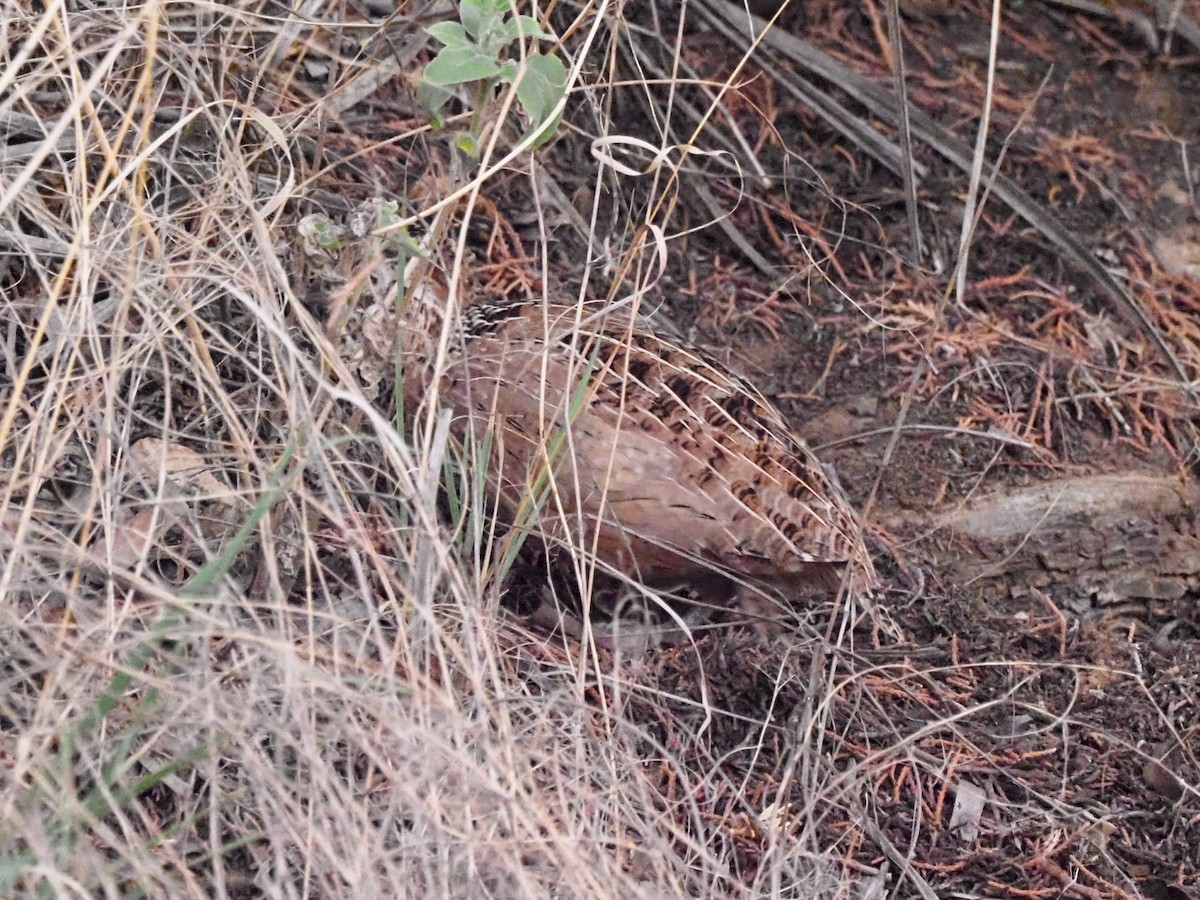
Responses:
[477,53]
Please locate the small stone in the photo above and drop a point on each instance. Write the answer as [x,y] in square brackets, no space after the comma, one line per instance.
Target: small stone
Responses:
[1141,586]
[1156,774]
[867,407]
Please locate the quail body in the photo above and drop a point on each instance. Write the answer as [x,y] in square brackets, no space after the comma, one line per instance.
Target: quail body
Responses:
[642,450]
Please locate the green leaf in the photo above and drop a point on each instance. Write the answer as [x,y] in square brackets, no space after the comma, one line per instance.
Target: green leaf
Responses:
[321,234]
[545,133]
[540,85]
[481,16]
[432,98]
[455,65]
[468,144]
[531,28]
[523,25]
[452,34]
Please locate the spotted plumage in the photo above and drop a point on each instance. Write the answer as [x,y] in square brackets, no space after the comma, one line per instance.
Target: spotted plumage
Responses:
[665,464]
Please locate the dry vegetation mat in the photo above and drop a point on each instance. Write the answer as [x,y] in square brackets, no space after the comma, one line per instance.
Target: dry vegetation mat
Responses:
[262,636]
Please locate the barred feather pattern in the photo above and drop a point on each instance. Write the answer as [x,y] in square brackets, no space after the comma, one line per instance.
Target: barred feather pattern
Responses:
[673,468]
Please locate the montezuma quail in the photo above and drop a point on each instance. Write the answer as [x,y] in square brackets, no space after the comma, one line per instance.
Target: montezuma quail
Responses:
[667,466]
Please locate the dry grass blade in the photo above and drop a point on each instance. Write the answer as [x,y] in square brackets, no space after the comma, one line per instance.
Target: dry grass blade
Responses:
[900,75]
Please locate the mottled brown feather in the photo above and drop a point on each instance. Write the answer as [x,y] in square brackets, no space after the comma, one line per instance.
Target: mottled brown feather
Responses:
[673,465]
